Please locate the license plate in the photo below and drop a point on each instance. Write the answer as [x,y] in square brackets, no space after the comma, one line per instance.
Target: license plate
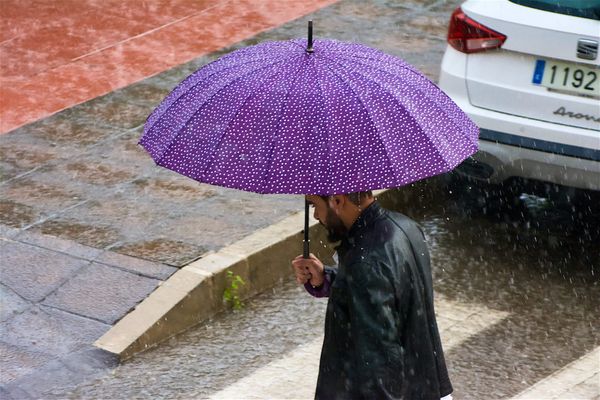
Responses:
[567,77]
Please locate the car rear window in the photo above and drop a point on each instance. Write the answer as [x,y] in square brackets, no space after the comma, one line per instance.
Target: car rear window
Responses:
[577,8]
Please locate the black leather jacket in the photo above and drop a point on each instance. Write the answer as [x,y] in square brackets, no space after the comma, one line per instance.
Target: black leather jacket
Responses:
[381,336]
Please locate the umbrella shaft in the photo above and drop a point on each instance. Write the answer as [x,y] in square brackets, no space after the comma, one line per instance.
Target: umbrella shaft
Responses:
[309,47]
[306,251]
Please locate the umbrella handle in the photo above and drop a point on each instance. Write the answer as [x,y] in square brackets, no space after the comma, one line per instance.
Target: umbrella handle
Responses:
[306,250]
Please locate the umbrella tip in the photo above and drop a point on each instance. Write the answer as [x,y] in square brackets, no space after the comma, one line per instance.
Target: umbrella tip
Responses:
[309,47]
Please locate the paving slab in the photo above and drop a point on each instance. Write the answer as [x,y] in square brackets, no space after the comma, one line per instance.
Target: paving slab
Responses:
[99,236]
[72,369]
[16,215]
[11,392]
[35,384]
[46,339]
[88,360]
[7,232]
[11,303]
[136,265]
[17,361]
[115,111]
[56,244]
[44,198]
[33,273]
[101,292]
[48,143]
[55,135]
[51,331]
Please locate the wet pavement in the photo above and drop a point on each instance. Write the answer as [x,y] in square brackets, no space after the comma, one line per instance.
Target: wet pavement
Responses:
[90,225]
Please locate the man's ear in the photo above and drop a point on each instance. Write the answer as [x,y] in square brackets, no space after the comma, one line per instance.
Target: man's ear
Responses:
[338,200]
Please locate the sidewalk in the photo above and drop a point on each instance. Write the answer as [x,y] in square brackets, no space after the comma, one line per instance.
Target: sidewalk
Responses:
[89,225]
[57,298]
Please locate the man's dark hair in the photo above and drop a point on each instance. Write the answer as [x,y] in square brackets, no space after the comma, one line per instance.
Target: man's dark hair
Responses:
[355,197]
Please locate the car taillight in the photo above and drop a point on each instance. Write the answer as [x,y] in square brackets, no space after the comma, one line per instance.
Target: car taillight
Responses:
[469,36]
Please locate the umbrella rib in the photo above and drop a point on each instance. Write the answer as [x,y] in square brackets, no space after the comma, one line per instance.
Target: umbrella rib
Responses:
[397,101]
[440,152]
[365,108]
[203,104]
[287,96]
[221,138]
[184,92]
[388,59]
[325,120]
[358,59]
[200,81]
[361,60]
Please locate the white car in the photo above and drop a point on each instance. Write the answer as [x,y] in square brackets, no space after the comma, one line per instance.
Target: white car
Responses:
[527,72]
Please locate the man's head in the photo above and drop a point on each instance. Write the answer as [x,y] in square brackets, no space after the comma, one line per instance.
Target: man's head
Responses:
[338,212]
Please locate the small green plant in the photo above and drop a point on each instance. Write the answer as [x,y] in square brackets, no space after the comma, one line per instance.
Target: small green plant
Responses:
[231,294]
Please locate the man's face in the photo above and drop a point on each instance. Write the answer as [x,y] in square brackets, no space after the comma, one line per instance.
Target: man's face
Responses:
[328,218]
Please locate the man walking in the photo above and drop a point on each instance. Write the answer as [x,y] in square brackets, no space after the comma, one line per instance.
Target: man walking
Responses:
[381,336]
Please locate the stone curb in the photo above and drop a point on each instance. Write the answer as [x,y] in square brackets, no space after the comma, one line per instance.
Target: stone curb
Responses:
[195,292]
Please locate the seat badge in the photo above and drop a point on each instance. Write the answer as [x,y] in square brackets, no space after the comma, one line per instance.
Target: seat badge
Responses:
[587,49]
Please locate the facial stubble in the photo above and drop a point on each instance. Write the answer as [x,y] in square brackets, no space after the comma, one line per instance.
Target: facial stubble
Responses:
[336,230]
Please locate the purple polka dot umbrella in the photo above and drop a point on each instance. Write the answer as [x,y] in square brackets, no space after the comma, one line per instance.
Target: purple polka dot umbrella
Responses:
[300,117]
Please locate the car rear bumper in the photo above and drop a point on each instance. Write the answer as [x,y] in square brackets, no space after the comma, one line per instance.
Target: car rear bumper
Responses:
[496,162]
[512,146]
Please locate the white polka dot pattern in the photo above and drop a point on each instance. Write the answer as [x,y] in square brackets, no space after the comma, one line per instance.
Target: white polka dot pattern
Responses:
[273,118]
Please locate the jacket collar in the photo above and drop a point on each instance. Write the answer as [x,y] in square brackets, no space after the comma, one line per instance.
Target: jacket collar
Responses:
[369,214]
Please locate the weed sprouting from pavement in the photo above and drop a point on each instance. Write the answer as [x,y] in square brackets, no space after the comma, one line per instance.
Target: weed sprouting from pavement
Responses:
[231,294]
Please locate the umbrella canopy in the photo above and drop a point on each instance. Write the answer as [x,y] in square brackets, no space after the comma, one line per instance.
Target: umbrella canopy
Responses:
[288,117]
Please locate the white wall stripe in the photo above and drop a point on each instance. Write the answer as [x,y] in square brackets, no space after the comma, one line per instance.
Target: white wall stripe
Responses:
[578,380]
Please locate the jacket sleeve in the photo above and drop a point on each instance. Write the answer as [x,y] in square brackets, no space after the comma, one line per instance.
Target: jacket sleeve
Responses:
[325,288]
[375,328]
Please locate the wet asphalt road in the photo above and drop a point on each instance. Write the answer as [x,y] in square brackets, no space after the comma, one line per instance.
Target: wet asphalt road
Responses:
[538,262]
